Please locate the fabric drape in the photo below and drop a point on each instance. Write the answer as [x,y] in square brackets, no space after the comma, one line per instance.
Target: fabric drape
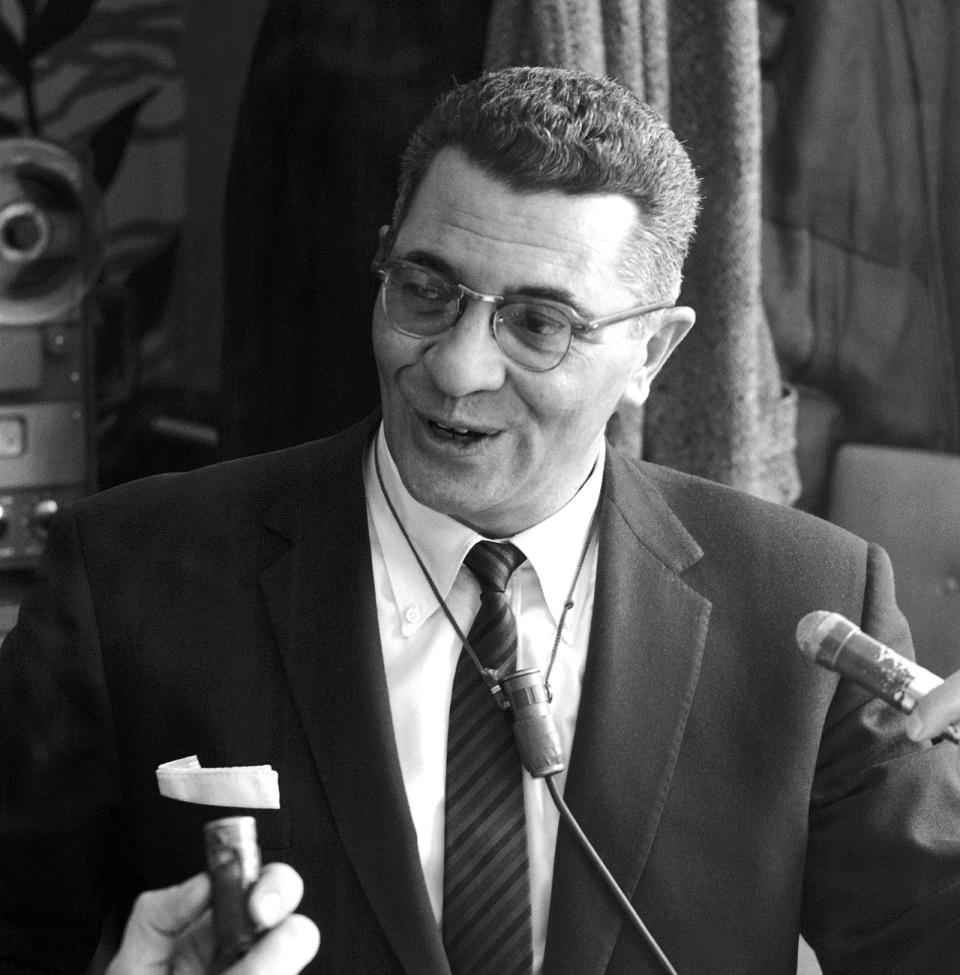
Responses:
[719,408]
[861,236]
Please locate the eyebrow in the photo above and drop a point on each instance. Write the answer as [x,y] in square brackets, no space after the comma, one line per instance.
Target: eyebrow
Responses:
[560,295]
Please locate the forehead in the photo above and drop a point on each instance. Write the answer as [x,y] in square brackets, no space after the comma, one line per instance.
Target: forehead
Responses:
[497,239]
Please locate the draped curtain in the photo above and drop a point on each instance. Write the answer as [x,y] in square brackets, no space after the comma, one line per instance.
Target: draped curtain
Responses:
[719,408]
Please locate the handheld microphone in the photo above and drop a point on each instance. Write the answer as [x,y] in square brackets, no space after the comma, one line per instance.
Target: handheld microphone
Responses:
[832,641]
[233,862]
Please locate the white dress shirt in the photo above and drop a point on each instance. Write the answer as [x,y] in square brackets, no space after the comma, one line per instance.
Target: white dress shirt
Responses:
[420,648]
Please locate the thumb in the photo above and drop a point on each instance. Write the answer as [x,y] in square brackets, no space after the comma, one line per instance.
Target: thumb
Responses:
[158,917]
[936,711]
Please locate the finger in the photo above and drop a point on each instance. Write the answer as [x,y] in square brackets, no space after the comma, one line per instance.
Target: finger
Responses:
[285,950]
[936,710]
[275,895]
[158,918]
[167,912]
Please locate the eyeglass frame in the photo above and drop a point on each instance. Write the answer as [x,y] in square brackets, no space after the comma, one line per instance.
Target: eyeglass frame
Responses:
[578,324]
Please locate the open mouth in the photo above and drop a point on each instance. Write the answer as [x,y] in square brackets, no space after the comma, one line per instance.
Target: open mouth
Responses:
[459,434]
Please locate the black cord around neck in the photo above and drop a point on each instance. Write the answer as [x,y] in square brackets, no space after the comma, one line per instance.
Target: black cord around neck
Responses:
[489,677]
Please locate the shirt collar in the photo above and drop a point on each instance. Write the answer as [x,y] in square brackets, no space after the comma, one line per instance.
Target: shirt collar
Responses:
[553,547]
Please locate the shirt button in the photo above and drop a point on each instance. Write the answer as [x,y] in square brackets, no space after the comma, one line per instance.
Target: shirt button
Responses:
[412,613]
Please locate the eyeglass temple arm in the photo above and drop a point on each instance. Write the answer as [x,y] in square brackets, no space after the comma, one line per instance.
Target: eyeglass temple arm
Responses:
[620,316]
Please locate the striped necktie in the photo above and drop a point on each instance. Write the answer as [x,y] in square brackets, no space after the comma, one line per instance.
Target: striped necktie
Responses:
[486,885]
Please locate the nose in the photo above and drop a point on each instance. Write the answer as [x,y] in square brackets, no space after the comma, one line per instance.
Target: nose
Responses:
[466,358]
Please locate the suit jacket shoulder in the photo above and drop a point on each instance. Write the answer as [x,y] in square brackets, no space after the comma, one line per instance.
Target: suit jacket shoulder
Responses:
[319,469]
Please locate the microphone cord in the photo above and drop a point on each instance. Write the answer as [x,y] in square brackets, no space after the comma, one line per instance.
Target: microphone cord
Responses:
[537,740]
[490,678]
[608,877]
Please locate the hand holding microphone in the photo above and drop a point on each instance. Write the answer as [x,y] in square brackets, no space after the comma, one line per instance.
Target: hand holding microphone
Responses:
[834,642]
[171,930]
[937,712]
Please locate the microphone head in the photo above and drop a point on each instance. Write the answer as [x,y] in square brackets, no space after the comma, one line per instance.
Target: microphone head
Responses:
[811,631]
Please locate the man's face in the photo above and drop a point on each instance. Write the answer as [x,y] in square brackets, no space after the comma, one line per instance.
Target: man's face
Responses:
[475,435]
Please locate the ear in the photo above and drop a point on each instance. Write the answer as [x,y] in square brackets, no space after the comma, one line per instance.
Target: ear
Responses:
[659,346]
[382,235]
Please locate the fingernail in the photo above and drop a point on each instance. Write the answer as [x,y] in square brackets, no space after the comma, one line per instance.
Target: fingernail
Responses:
[914,727]
[269,907]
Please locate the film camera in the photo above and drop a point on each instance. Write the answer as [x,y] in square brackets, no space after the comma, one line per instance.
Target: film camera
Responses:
[51,249]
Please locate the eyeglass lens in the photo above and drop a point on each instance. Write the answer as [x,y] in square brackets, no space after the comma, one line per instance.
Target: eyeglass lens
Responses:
[421,303]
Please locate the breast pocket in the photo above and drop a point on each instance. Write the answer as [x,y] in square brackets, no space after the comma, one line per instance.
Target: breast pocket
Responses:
[170,836]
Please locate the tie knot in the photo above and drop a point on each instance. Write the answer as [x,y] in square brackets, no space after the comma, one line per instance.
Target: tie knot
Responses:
[493,563]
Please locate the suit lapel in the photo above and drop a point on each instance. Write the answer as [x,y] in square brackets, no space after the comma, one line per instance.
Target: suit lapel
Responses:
[646,643]
[321,602]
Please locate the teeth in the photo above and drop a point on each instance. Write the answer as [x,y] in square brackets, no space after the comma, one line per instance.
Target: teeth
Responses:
[461,431]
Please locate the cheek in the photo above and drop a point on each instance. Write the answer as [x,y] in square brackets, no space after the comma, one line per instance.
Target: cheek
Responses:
[580,400]
[391,350]
[613,372]
[381,335]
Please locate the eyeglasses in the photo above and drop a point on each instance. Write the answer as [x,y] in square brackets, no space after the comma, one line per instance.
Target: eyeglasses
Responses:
[534,332]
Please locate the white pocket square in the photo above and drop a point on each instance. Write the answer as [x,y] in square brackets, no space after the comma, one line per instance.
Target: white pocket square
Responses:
[244,786]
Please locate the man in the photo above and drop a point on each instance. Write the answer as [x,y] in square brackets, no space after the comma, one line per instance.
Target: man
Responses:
[311,610]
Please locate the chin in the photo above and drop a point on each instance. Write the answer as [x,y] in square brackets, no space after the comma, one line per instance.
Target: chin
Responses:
[448,501]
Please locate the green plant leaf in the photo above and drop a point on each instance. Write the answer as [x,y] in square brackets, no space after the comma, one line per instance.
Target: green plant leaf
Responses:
[54,21]
[108,143]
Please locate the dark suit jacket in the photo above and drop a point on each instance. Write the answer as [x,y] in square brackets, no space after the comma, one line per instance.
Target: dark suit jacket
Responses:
[738,793]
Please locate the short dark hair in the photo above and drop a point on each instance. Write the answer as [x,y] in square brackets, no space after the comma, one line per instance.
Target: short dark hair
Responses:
[539,129]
